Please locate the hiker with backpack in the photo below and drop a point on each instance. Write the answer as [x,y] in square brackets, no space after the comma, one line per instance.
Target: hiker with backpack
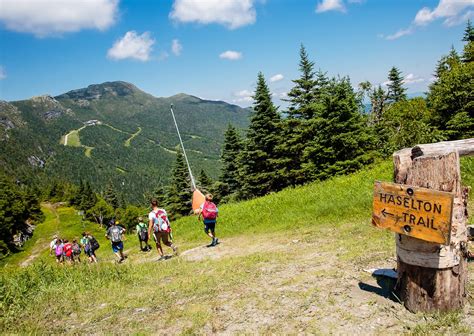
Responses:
[67,251]
[59,250]
[90,245]
[159,224]
[209,213]
[53,244]
[142,232]
[76,251]
[114,234]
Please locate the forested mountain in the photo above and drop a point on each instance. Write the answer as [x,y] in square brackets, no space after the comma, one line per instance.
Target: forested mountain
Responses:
[111,134]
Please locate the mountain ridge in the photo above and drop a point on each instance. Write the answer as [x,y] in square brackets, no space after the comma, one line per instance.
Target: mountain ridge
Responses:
[33,130]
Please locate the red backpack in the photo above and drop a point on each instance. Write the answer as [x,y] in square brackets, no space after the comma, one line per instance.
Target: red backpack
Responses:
[161,222]
[209,210]
[68,249]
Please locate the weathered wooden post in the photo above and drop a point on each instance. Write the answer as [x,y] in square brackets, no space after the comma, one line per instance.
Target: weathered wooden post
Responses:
[432,268]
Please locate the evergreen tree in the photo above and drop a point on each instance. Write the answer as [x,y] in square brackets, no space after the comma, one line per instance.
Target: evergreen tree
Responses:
[450,95]
[231,150]
[259,174]
[110,196]
[343,143]
[468,54]
[88,197]
[76,198]
[159,193]
[302,94]
[305,101]
[179,193]
[204,181]
[396,91]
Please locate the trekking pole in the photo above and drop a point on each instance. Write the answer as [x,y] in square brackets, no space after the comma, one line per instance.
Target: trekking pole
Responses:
[184,151]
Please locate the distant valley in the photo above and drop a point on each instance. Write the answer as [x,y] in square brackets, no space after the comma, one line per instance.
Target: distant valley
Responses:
[111,133]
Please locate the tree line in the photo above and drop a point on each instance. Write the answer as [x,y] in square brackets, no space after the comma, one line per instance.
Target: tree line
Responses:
[328,129]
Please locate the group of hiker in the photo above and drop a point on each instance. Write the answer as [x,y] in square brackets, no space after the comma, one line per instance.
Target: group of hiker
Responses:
[70,251]
[158,227]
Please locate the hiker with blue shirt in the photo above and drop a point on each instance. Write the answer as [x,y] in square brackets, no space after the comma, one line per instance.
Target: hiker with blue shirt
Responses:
[209,213]
[114,234]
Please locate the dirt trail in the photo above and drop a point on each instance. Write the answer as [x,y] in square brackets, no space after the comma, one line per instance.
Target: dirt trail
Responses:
[41,244]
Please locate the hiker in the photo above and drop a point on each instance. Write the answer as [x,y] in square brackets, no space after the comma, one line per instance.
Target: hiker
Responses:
[67,251]
[159,224]
[114,234]
[142,232]
[59,251]
[52,245]
[209,213]
[76,251]
[90,245]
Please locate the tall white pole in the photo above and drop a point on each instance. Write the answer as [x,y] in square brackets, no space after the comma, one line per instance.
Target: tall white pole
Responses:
[184,152]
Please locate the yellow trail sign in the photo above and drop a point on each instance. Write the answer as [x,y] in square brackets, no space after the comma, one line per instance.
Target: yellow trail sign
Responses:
[417,212]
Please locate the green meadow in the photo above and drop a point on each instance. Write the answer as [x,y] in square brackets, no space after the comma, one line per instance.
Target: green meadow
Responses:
[290,262]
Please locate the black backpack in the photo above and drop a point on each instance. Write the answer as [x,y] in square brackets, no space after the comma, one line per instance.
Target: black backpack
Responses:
[94,243]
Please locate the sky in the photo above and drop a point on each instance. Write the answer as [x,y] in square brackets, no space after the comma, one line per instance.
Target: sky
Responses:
[214,49]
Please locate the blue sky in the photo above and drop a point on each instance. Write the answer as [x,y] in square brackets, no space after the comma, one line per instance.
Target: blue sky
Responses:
[214,48]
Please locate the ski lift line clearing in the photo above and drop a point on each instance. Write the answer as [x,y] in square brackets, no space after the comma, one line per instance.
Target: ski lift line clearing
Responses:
[198,197]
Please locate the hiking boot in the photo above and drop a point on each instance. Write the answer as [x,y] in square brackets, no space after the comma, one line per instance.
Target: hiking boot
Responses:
[161,258]
[214,242]
[175,251]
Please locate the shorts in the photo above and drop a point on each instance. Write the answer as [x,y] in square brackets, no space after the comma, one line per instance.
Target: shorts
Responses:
[163,236]
[117,246]
[209,225]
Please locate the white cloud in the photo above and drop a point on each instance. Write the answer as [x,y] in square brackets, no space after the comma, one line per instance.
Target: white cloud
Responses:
[243,96]
[276,78]
[453,11]
[176,47]
[54,17]
[411,79]
[231,55]
[132,46]
[230,13]
[400,33]
[3,73]
[330,5]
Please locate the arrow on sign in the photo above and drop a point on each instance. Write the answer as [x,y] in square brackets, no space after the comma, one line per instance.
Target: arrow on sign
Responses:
[385,213]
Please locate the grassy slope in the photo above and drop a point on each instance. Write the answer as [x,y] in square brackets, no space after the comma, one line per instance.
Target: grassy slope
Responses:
[293,263]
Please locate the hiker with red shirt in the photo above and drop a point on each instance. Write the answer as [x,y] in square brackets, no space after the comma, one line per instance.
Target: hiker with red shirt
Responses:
[68,251]
[209,213]
[159,225]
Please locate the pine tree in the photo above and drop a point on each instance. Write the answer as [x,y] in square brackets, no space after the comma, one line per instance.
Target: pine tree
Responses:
[343,142]
[204,181]
[110,196]
[468,54]
[302,94]
[259,174]
[88,197]
[305,102]
[179,192]
[231,150]
[396,91]
[450,96]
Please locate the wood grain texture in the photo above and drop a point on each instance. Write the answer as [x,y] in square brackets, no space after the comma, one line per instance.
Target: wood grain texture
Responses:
[431,276]
[417,212]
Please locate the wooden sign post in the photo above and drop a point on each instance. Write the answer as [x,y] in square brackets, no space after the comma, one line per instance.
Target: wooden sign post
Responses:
[416,212]
[432,273]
